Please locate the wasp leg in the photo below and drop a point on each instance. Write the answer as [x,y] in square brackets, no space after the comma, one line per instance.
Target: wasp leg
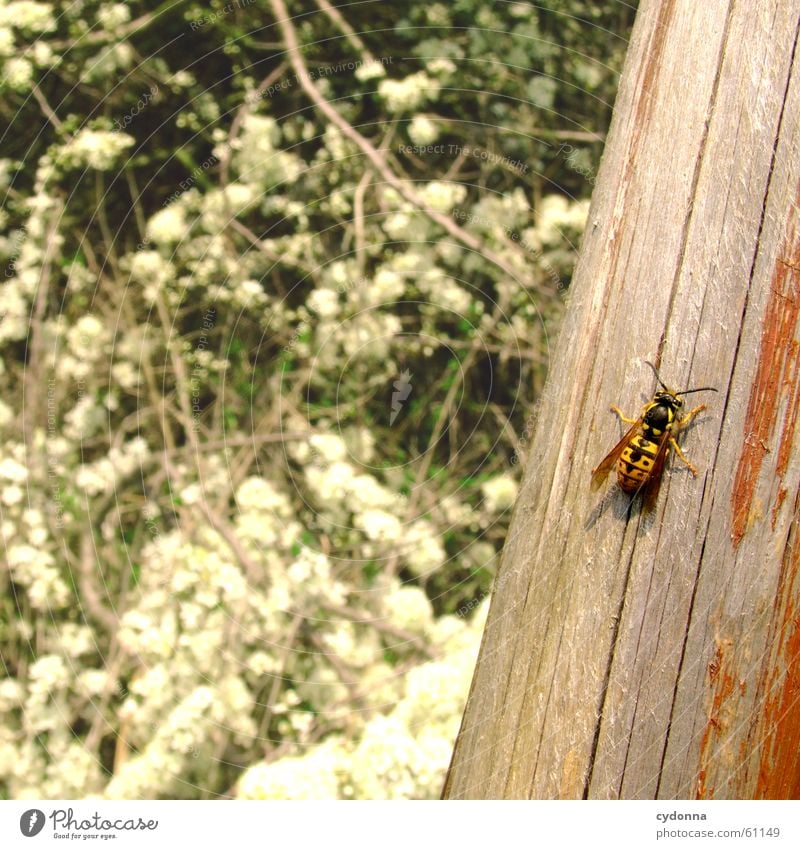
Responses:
[680,424]
[680,453]
[690,415]
[623,417]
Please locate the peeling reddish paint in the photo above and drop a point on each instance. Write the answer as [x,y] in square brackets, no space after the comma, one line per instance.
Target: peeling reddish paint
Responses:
[723,683]
[792,385]
[701,785]
[777,378]
[782,493]
[715,665]
[779,770]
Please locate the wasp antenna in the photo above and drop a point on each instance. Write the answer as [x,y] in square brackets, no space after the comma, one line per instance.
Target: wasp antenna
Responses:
[657,376]
[699,389]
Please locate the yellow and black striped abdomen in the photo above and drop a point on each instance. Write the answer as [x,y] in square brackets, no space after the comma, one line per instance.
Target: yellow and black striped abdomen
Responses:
[636,462]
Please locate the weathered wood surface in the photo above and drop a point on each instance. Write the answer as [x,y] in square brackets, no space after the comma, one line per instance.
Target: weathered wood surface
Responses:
[659,656]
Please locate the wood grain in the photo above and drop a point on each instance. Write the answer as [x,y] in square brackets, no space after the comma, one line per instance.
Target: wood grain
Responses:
[657,657]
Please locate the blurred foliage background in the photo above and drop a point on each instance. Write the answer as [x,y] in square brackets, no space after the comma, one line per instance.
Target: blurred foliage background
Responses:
[278,296]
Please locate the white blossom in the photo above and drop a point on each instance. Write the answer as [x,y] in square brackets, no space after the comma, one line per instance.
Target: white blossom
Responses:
[370,71]
[28,15]
[443,196]
[11,470]
[310,777]
[324,302]
[408,94]
[380,525]
[499,493]
[168,225]
[113,15]
[329,446]
[98,149]
[12,495]
[18,74]
[423,131]
[409,608]
[256,493]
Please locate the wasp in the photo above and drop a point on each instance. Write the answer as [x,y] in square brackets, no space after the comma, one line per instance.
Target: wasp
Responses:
[641,454]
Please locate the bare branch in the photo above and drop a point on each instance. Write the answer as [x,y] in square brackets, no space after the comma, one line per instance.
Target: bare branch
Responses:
[374,156]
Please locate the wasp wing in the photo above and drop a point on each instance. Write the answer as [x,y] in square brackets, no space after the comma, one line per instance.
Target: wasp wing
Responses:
[609,461]
[652,486]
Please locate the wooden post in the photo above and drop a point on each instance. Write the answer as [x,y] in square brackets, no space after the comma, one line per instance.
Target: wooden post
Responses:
[658,656]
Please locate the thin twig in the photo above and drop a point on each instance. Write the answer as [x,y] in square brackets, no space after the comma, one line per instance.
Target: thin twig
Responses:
[358,220]
[374,156]
[346,676]
[352,36]
[85,573]
[278,680]
[244,110]
[222,527]
[45,107]
[278,259]
[32,383]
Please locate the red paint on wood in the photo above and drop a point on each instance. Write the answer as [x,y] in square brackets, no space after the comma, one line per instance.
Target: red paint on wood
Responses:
[791,385]
[779,769]
[723,684]
[776,508]
[777,378]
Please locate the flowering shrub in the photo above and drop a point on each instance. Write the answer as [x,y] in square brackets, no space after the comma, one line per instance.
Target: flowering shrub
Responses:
[265,379]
